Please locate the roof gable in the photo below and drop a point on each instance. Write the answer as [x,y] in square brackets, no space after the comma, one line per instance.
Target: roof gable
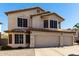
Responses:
[39,14]
[23,10]
[53,14]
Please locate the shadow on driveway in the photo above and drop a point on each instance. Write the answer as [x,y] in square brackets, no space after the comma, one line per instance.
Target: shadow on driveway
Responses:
[73,55]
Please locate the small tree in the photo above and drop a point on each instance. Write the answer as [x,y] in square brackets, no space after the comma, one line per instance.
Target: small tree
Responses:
[4,36]
[76,26]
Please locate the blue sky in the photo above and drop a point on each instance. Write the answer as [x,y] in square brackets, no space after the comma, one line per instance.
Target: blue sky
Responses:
[70,12]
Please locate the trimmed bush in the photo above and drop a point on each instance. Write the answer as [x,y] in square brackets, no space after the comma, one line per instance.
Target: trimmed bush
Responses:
[6,48]
[20,48]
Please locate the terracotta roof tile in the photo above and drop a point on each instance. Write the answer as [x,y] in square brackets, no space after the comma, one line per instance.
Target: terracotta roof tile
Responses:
[38,29]
[23,10]
[52,14]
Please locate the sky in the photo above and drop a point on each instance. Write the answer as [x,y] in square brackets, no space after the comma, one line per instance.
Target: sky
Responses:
[70,12]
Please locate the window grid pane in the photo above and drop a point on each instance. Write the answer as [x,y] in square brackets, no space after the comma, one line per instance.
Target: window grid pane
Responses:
[18,39]
[45,23]
[22,22]
[10,38]
[53,24]
[19,22]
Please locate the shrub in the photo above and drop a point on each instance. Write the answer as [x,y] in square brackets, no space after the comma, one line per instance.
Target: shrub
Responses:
[20,48]
[6,48]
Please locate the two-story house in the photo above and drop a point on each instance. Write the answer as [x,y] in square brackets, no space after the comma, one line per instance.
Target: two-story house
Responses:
[37,28]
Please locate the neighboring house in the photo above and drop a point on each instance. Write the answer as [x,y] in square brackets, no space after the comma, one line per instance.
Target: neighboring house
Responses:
[37,28]
[76,36]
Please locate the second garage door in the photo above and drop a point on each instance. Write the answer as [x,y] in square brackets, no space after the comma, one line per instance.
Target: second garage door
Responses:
[46,41]
[67,40]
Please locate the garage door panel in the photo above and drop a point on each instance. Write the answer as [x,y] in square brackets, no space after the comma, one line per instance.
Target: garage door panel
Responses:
[67,40]
[46,40]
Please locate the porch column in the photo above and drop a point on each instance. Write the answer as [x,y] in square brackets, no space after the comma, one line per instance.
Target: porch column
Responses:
[32,41]
[61,39]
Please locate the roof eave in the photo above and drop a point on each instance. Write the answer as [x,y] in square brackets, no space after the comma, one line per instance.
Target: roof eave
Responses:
[23,10]
[52,14]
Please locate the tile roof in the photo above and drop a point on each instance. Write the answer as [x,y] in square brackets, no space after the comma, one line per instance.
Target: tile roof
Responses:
[52,14]
[23,10]
[40,14]
[38,29]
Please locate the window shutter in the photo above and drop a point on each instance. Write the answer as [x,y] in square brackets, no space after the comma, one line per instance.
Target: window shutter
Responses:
[10,38]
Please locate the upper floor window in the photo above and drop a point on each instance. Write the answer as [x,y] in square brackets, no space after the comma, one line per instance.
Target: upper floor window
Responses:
[22,22]
[45,23]
[59,25]
[53,24]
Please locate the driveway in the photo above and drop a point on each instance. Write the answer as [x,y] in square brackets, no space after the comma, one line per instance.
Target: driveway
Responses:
[47,52]
[51,51]
[58,51]
[20,52]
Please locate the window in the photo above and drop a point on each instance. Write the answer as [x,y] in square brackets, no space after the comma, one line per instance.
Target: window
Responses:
[59,25]
[53,24]
[10,38]
[19,22]
[22,22]
[45,23]
[28,39]
[18,38]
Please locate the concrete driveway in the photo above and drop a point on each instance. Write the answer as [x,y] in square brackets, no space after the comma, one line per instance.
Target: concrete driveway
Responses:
[20,52]
[58,51]
[52,51]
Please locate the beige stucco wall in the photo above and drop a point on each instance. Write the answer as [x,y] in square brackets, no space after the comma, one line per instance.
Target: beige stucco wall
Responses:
[12,18]
[53,17]
[37,21]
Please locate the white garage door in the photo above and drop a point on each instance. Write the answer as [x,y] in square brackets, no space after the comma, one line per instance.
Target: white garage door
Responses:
[67,40]
[46,41]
